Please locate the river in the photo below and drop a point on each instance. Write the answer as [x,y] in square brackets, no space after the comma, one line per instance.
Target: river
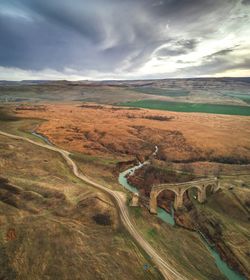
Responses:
[169,218]
[45,139]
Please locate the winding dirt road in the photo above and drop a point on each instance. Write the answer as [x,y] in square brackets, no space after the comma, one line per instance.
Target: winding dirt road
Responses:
[167,271]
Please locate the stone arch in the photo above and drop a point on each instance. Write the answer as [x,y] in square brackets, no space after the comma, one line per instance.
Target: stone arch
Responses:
[167,197]
[201,191]
[154,195]
[210,189]
[190,194]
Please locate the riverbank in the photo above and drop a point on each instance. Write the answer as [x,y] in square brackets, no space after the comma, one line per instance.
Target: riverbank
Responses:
[221,254]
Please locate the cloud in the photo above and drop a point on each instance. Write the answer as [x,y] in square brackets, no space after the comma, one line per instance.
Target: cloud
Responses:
[176,48]
[224,52]
[120,38]
[65,15]
[246,2]
[215,64]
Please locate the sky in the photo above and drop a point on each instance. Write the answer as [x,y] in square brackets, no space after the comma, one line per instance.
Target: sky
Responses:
[123,39]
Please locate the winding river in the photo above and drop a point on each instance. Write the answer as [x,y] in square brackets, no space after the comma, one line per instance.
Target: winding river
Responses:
[169,218]
[165,216]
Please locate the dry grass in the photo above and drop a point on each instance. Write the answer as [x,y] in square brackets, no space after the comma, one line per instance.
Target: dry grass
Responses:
[103,130]
[48,225]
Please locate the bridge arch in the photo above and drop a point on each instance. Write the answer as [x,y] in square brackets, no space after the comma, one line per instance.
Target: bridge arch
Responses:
[211,188]
[179,189]
[154,196]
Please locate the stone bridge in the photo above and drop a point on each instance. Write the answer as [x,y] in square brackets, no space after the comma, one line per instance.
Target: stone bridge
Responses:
[179,190]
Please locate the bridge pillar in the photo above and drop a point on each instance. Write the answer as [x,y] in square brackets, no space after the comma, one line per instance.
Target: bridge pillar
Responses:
[202,195]
[178,201]
[217,185]
[135,200]
[153,203]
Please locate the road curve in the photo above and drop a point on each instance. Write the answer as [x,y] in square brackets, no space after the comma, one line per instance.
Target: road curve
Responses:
[167,271]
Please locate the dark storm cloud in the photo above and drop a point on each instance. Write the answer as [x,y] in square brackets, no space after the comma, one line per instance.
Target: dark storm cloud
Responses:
[60,34]
[34,45]
[77,18]
[107,36]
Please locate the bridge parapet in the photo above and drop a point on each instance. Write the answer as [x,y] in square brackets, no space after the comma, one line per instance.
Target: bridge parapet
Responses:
[186,185]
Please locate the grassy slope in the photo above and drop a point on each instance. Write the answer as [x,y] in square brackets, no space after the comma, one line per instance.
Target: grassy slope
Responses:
[47,228]
[178,246]
[190,107]
[229,208]
[19,126]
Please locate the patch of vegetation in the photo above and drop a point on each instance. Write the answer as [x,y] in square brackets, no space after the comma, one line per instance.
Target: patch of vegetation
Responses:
[91,106]
[152,232]
[230,160]
[222,159]
[102,219]
[158,118]
[190,107]
[137,211]
[152,117]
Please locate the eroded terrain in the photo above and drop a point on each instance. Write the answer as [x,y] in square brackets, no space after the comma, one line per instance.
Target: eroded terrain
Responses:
[114,131]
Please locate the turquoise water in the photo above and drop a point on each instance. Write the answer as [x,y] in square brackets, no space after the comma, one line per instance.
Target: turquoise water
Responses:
[223,267]
[123,180]
[165,216]
[169,218]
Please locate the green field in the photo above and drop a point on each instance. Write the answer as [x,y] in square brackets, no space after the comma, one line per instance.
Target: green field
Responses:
[190,107]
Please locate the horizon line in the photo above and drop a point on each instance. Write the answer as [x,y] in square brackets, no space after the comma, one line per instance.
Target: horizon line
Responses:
[124,80]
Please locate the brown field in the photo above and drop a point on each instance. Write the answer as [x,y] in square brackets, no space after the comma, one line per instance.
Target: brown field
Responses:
[121,132]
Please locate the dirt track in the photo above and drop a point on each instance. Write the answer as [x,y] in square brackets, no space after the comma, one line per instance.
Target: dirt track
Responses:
[167,271]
